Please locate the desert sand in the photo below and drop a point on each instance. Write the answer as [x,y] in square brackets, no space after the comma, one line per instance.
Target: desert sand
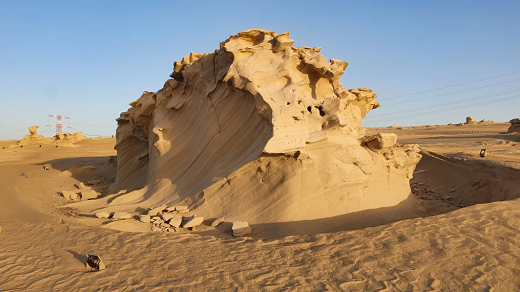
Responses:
[306,197]
[466,242]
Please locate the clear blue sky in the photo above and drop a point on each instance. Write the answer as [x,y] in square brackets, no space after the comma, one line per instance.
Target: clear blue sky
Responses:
[89,59]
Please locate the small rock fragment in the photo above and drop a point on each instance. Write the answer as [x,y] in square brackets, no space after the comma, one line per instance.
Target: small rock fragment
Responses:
[45,167]
[144,218]
[105,215]
[89,194]
[24,175]
[70,195]
[217,222]
[167,216]
[176,221]
[241,228]
[156,229]
[170,209]
[94,262]
[80,185]
[156,210]
[121,215]
[193,221]
[1,230]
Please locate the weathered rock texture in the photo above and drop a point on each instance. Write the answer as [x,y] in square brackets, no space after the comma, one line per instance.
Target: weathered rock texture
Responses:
[470,121]
[515,126]
[258,131]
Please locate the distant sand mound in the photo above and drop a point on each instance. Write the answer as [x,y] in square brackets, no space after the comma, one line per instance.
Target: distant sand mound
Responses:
[258,131]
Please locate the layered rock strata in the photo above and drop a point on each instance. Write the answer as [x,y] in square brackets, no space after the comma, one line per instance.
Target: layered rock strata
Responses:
[258,131]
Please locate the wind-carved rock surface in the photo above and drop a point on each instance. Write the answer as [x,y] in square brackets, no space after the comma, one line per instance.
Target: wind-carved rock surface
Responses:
[515,126]
[258,131]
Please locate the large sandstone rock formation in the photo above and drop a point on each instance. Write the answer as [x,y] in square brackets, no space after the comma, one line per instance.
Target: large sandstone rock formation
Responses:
[258,131]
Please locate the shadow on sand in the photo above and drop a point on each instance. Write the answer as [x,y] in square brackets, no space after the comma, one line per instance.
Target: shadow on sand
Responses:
[470,182]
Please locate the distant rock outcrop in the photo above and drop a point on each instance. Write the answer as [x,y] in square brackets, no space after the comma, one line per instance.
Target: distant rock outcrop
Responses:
[515,126]
[34,138]
[258,131]
[470,121]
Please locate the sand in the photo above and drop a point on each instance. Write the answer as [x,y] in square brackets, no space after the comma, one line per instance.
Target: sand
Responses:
[466,240]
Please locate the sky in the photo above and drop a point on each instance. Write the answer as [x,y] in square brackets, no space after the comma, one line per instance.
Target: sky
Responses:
[89,59]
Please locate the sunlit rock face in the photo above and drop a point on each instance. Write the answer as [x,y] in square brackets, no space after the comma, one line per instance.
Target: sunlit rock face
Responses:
[259,131]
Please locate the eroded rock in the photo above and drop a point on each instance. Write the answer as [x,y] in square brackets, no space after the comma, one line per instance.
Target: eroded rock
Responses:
[470,121]
[121,215]
[515,126]
[105,215]
[88,194]
[144,218]
[217,222]
[156,210]
[192,221]
[94,262]
[71,195]
[175,221]
[241,228]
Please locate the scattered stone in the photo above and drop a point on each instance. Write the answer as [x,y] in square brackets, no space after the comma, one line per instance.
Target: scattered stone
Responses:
[164,225]
[452,190]
[70,195]
[121,215]
[94,262]
[176,221]
[24,175]
[156,229]
[45,167]
[144,218]
[217,222]
[167,216]
[104,215]
[193,221]
[170,209]
[156,210]
[1,230]
[89,194]
[241,228]
[80,185]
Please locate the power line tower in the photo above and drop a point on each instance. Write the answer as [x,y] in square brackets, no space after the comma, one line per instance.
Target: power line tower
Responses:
[59,123]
